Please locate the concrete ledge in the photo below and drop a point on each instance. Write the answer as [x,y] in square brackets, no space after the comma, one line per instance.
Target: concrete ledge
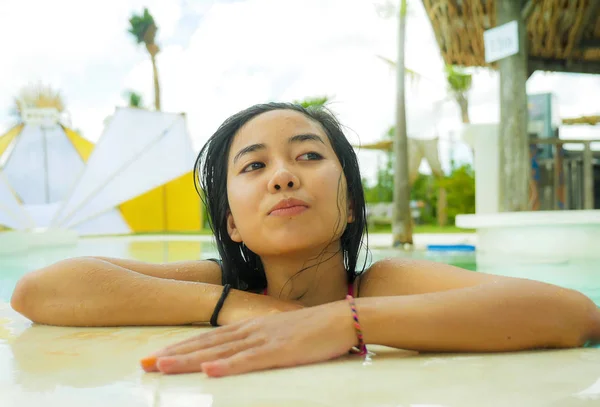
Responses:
[422,240]
[542,236]
[537,218]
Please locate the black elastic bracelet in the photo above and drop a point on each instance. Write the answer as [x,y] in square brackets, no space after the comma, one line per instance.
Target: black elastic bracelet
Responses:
[215,315]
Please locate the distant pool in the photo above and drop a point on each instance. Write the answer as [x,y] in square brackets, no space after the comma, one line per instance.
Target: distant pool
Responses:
[580,275]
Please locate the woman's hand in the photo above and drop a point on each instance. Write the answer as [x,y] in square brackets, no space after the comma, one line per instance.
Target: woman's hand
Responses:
[294,338]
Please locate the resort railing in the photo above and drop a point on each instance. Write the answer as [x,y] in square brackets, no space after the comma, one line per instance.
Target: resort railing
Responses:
[564,178]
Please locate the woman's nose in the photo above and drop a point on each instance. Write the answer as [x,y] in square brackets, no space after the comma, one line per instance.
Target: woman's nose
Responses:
[283,179]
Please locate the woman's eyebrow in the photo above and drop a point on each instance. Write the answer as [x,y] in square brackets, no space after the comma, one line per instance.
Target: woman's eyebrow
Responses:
[305,137]
[299,138]
[249,149]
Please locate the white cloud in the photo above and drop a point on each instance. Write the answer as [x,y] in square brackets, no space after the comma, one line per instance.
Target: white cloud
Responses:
[64,42]
[258,50]
[246,52]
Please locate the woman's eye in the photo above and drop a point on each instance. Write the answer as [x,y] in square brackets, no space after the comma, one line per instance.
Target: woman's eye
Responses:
[311,156]
[253,166]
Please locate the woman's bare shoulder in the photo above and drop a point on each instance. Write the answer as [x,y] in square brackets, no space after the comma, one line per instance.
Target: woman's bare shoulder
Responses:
[407,276]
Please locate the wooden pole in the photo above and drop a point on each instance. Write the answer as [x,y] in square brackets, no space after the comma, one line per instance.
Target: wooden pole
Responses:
[401,216]
[442,207]
[514,144]
[555,178]
[588,177]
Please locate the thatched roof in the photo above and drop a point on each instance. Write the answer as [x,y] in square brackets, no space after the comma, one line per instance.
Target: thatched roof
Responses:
[591,120]
[564,36]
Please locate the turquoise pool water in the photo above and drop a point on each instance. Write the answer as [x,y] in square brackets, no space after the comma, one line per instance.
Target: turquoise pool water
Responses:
[583,276]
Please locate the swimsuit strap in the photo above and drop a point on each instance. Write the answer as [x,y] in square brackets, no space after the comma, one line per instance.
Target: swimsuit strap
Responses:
[351,289]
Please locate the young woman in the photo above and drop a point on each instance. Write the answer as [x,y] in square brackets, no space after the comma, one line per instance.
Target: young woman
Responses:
[284,194]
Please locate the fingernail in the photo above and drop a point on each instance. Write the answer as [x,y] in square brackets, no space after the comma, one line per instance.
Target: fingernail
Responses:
[213,369]
[149,363]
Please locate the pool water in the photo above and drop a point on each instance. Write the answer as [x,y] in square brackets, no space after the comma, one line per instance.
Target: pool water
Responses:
[67,367]
[143,248]
[583,276]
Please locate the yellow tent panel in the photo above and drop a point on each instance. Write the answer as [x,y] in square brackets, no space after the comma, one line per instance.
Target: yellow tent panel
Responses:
[84,147]
[146,212]
[174,207]
[6,139]
[184,207]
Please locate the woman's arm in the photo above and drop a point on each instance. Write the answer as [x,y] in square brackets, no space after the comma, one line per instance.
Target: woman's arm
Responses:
[94,292]
[415,305]
[493,317]
[199,271]
[448,309]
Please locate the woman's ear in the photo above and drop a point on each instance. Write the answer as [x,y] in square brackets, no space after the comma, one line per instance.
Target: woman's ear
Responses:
[350,211]
[232,230]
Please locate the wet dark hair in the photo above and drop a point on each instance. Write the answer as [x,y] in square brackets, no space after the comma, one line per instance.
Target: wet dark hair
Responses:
[241,267]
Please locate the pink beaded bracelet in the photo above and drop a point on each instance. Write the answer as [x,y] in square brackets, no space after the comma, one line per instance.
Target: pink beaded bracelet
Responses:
[361,348]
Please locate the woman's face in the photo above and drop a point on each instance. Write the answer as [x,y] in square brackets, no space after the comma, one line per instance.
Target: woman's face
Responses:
[283,158]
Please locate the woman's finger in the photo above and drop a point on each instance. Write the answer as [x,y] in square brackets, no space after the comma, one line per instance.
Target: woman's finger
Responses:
[192,362]
[202,343]
[206,336]
[192,344]
[252,359]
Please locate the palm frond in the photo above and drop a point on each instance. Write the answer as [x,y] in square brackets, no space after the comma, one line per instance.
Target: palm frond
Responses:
[413,75]
[318,101]
[458,80]
[141,25]
[38,96]
[134,99]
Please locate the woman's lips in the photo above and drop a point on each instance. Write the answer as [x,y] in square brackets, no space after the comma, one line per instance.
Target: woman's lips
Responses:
[288,206]
[292,210]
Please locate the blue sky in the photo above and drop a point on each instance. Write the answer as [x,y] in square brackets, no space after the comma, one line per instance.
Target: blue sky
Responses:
[221,56]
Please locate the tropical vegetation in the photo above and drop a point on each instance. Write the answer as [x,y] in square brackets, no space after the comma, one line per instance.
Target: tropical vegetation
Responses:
[143,28]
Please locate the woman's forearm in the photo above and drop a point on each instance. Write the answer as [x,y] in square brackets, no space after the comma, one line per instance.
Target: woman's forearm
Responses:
[492,317]
[197,271]
[93,292]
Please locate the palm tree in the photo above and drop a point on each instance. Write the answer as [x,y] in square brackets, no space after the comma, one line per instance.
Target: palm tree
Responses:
[134,99]
[317,101]
[401,216]
[459,84]
[38,96]
[144,29]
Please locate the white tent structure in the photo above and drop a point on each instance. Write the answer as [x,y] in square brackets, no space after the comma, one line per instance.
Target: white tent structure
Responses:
[139,151]
[138,177]
[40,160]
[12,213]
